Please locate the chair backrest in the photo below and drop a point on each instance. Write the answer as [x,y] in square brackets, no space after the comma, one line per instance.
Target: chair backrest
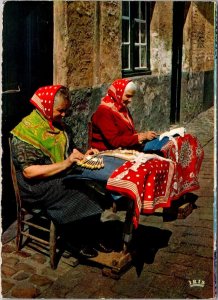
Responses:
[31,223]
[14,178]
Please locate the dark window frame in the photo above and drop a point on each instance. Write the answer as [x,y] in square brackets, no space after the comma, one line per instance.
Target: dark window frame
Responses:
[132,70]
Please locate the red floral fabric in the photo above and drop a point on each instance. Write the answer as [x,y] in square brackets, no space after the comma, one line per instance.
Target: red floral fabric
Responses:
[157,182]
[188,154]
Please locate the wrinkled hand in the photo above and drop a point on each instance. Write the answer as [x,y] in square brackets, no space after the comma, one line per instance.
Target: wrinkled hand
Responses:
[91,152]
[76,156]
[149,135]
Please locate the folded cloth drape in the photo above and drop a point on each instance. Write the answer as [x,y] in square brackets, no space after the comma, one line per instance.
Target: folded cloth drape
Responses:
[149,184]
[188,154]
[157,181]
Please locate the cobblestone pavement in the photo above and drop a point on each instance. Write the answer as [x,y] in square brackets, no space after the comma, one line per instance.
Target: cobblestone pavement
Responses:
[172,254]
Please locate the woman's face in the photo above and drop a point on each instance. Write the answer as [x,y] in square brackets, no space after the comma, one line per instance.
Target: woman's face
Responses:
[60,108]
[127,96]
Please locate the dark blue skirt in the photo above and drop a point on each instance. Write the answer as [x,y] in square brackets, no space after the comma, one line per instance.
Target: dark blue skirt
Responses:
[65,199]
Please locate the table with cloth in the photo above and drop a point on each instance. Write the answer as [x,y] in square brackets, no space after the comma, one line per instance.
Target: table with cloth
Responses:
[152,181]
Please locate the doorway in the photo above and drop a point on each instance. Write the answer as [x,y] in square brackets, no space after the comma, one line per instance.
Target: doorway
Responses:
[178,23]
[27,42]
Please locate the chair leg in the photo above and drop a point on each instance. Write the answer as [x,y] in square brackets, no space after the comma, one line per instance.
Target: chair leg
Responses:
[20,228]
[52,245]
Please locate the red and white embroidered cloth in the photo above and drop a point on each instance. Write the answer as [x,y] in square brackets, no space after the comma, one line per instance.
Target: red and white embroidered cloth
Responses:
[188,154]
[152,181]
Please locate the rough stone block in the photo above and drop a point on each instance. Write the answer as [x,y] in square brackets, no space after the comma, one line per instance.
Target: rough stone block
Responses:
[39,258]
[23,254]
[40,280]
[6,286]
[8,271]
[10,261]
[8,248]
[25,267]
[25,291]
[21,276]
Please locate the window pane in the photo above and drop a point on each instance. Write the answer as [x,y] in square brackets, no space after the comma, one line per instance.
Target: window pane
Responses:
[135,9]
[125,30]
[143,11]
[143,56]
[136,32]
[125,56]
[135,37]
[125,8]
[143,33]
[136,56]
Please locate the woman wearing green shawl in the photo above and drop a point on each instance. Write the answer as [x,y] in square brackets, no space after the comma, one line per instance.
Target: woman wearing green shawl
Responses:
[43,152]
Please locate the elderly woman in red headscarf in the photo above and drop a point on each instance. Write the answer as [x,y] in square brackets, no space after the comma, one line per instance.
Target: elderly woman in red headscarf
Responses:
[43,152]
[112,123]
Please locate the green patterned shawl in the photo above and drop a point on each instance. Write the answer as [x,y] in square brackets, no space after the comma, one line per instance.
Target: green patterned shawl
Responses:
[35,130]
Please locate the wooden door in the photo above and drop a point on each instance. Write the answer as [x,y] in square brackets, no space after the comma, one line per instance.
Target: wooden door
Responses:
[27,64]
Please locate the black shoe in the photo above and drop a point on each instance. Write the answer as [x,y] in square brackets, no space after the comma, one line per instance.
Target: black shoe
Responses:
[88,252]
[102,248]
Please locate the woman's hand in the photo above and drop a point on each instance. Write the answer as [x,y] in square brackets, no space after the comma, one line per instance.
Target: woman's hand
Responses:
[149,135]
[75,156]
[91,152]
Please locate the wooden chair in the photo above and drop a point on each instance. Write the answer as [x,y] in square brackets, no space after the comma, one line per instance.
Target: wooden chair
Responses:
[29,220]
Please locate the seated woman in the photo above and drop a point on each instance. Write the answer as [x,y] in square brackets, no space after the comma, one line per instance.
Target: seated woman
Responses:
[113,127]
[43,152]
[112,123]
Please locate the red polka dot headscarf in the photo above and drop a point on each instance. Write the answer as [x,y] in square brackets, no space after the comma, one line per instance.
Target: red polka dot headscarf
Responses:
[43,100]
[115,93]
[113,99]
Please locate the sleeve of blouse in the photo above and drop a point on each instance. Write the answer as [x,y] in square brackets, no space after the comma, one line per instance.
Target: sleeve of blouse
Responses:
[25,155]
[114,131]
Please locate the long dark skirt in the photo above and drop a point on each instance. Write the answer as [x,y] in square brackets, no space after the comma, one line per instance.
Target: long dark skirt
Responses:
[64,202]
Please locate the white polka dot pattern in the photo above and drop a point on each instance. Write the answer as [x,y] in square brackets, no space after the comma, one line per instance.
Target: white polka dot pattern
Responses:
[44,99]
[149,187]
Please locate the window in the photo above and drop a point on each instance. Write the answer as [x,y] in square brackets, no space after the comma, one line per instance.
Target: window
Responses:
[135,38]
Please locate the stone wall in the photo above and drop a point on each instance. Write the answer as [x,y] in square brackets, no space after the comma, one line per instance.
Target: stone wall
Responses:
[161,37]
[84,102]
[87,41]
[151,105]
[75,27]
[191,95]
[198,37]
[198,61]
[87,58]
[109,67]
